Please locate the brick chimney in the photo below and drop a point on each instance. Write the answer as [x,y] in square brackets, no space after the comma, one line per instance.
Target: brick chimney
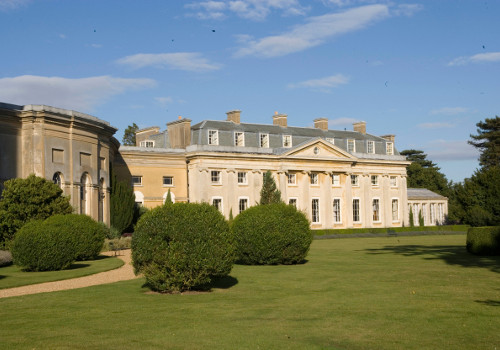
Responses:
[234,116]
[321,123]
[280,119]
[360,127]
[179,133]
[143,134]
[389,138]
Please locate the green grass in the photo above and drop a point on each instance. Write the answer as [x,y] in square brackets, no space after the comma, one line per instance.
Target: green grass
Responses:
[12,276]
[423,292]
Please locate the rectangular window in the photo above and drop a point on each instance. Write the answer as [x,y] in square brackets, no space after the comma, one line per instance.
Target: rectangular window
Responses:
[293,201]
[215,176]
[394,181]
[217,203]
[292,178]
[336,211]
[287,141]
[168,181]
[242,177]
[395,210]
[351,146]
[335,179]
[242,204]
[213,137]
[354,180]
[389,148]
[239,139]
[374,180]
[58,156]
[313,178]
[264,140]
[376,210]
[370,147]
[355,210]
[331,140]
[315,210]
[136,180]
[432,214]
[148,144]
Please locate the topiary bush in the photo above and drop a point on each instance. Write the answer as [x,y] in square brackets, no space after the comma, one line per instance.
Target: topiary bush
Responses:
[271,234]
[483,240]
[88,235]
[38,246]
[5,258]
[182,246]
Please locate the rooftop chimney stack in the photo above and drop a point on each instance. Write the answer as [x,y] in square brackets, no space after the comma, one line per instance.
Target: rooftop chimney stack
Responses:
[179,133]
[280,119]
[234,116]
[143,134]
[321,123]
[389,138]
[360,127]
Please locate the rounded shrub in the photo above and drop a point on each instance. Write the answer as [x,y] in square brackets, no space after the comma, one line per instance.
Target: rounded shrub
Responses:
[271,234]
[88,234]
[182,246]
[41,247]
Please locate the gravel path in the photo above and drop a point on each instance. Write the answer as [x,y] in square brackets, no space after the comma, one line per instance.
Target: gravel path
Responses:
[126,272]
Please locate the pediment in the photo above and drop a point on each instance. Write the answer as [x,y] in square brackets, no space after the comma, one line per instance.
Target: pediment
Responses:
[319,149]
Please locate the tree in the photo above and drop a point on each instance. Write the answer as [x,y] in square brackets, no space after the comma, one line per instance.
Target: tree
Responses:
[129,135]
[269,193]
[420,218]
[168,200]
[33,198]
[122,202]
[488,142]
[412,222]
[419,157]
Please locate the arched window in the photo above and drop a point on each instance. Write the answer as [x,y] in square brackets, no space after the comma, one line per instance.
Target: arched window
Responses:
[84,194]
[57,179]
[172,195]
[139,197]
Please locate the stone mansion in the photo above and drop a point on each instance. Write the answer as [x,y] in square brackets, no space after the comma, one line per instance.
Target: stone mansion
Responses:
[340,179]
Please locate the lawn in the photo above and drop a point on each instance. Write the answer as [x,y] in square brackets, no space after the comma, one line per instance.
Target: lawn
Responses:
[420,292]
[12,276]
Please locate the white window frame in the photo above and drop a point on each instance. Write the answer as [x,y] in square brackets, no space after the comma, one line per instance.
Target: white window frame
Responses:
[397,209]
[216,174]
[336,180]
[339,200]
[291,178]
[240,199]
[211,134]
[389,148]
[314,179]
[172,181]
[355,180]
[351,142]
[293,199]
[239,141]
[376,182]
[359,210]
[263,140]
[221,209]
[331,140]
[244,177]
[317,210]
[287,141]
[393,181]
[378,211]
[370,147]
[147,143]
[137,183]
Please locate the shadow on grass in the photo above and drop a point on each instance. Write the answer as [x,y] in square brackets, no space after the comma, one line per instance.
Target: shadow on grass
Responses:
[225,282]
[489,302]
[453,255]
[77,266]
[222,283]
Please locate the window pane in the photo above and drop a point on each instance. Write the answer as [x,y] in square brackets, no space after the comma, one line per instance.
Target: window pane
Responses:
[355,210]
[243,204]
[336,210]
[335,180]
[315,210]
[168,180]
[376,210]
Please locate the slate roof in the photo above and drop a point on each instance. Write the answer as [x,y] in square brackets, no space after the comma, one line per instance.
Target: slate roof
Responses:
[422,193]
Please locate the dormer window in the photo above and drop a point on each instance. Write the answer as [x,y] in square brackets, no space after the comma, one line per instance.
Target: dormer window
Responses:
[389,148]
[213,137]
[239,139]
[147,144]
[287,141]
[351,146]
[370,147]
[264,140]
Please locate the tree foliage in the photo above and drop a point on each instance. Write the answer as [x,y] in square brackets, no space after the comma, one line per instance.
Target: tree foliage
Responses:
[129,135]
[168,200]
[269,192]
[487,141]
[24,200]
[122,201]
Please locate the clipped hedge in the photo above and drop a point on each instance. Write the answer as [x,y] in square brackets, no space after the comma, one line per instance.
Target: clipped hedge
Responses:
[88,235]
[347,231]
[5,258]
[483,240]
[271,234]
[41,247]
[182,246]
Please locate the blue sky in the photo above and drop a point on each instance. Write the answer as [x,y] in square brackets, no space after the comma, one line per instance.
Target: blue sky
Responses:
[426,71]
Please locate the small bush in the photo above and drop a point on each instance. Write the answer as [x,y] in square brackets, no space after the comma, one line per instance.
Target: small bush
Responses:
[272,234]
[41,247]
[483,240]
[182,246]
[117,244]
[5,258]
[88,235]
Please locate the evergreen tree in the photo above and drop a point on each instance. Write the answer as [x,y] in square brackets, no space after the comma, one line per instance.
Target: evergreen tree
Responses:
[488,142]
[420,218]
[129,135]
[269,192]
[412,223]
[168,200]
[122,202]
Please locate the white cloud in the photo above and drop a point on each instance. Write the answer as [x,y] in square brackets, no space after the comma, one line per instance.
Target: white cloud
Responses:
[435,125]
[342,121]
[449,110]
[315,32]
[407,9]
[189,61]
[451,150]
[79,94]
[7,5]
[164,100]
[479,58]
[322,83]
